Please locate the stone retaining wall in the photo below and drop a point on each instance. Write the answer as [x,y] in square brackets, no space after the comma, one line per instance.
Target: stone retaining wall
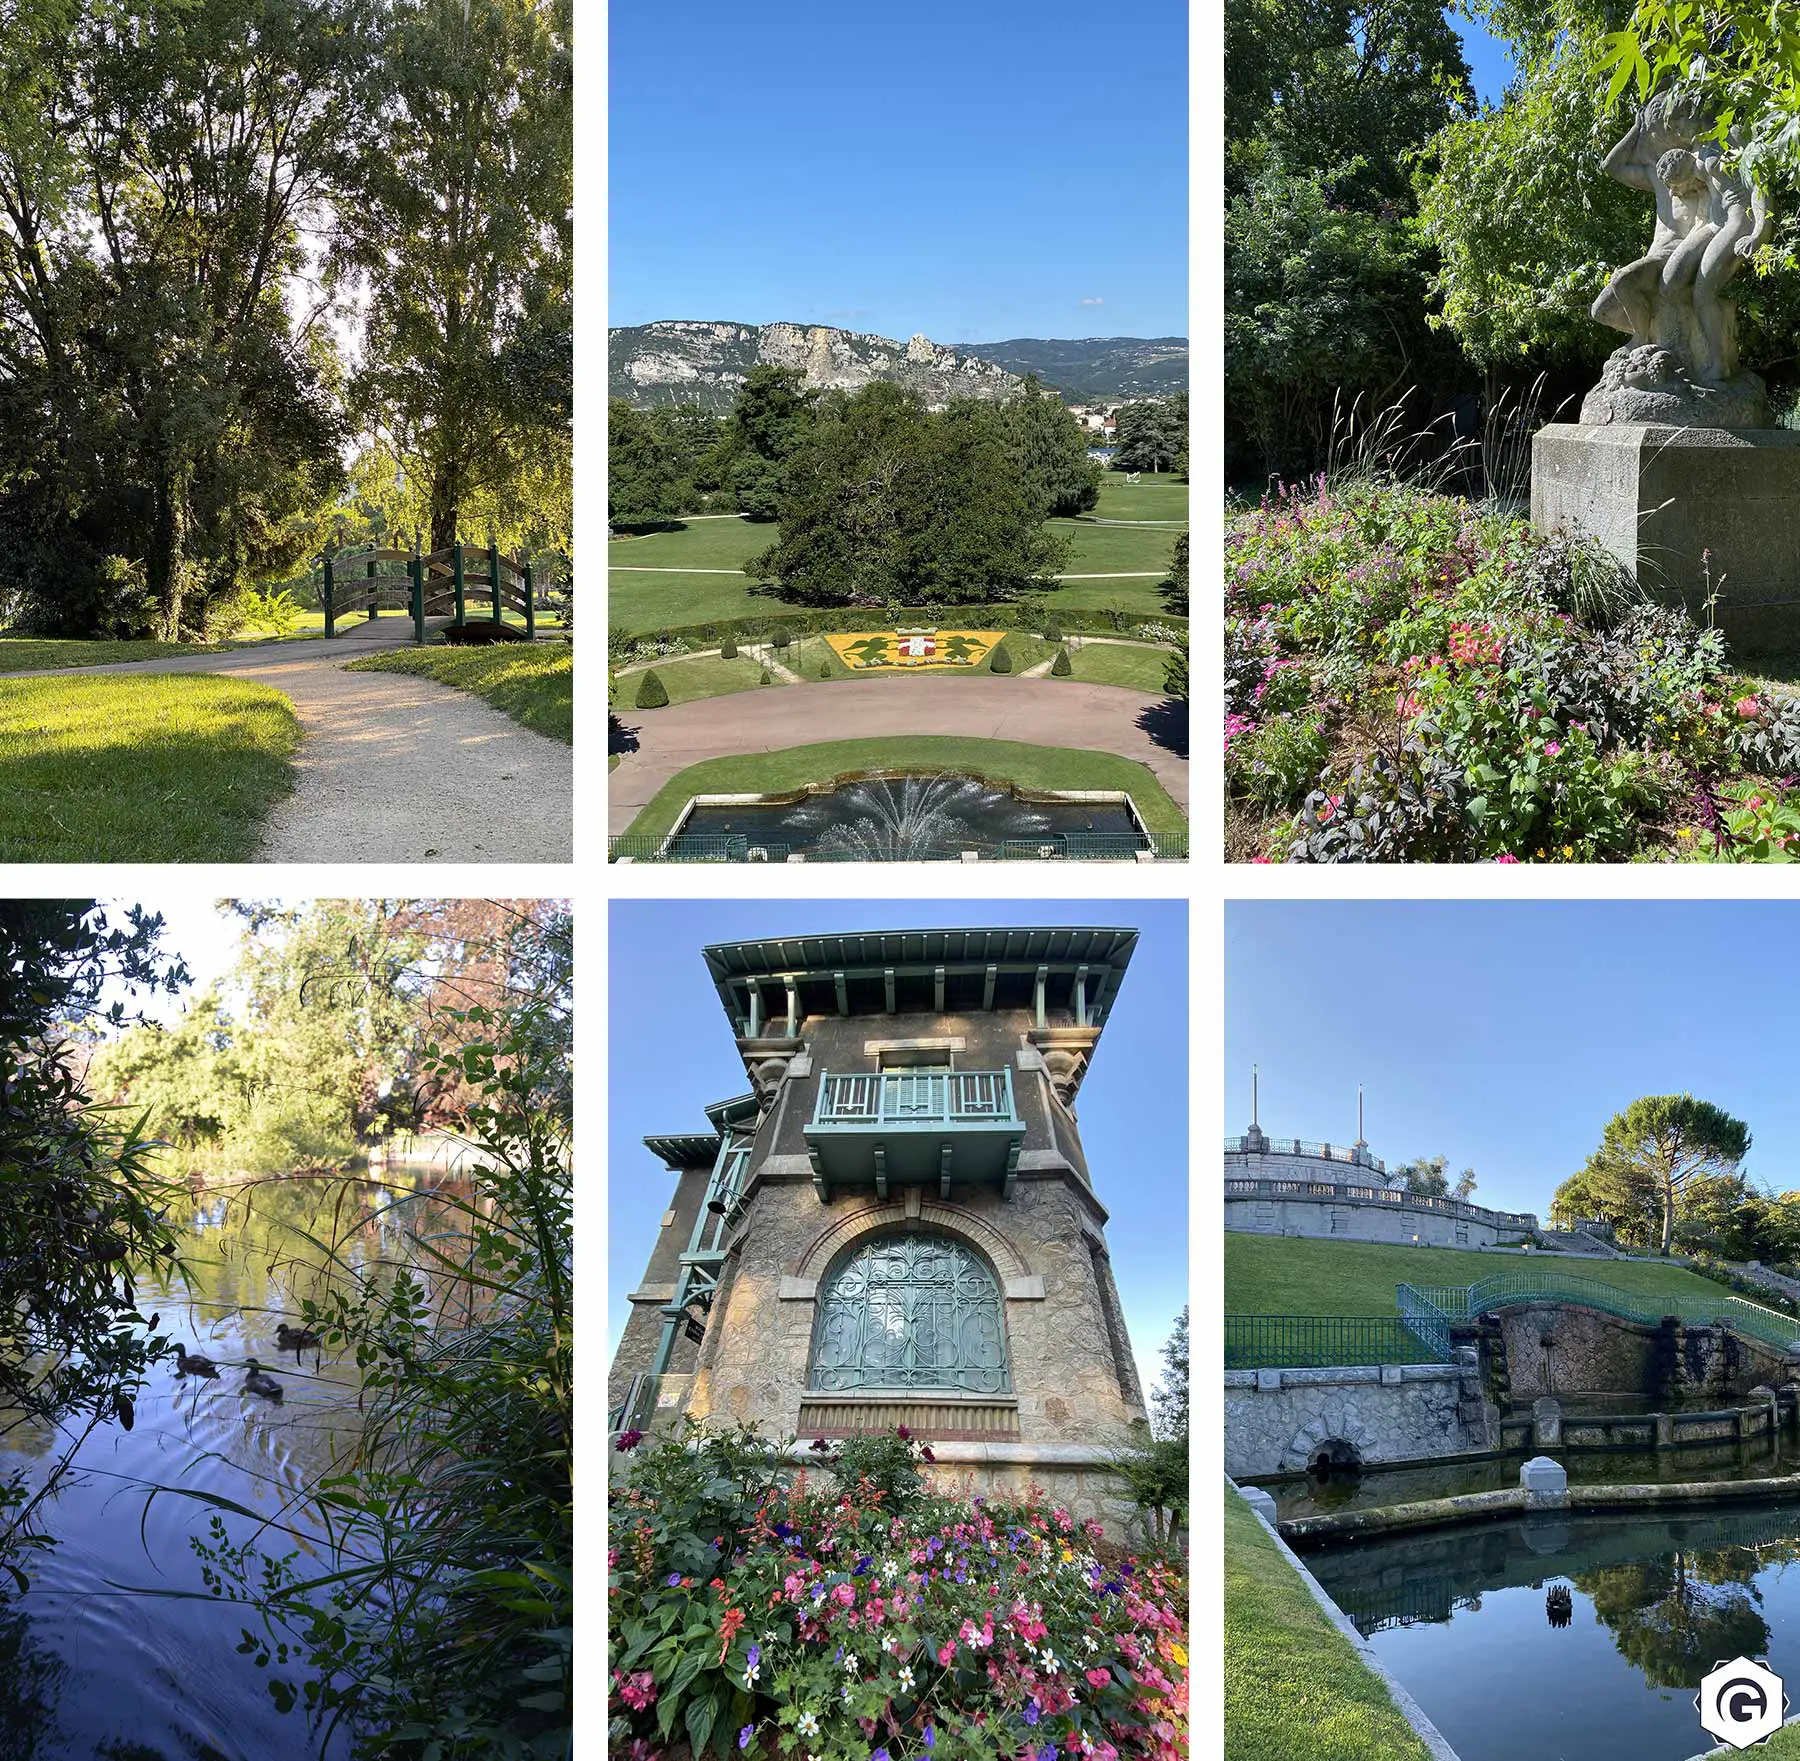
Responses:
[1276,1421]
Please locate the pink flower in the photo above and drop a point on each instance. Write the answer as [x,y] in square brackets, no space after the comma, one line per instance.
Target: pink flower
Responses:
[1504,857]
[1098,1677]
[1747,707]
[1551,748]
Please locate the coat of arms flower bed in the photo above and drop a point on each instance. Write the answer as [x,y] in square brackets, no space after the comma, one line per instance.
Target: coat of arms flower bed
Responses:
[759,1610]
[869,650]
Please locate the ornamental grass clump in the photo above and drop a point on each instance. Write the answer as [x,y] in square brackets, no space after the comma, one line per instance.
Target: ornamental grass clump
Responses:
[759,1609]
[1410,678]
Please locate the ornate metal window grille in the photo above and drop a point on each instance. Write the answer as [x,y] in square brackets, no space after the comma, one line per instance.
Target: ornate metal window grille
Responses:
[910,1311]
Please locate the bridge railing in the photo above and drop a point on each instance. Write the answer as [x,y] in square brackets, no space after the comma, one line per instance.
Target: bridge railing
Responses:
[463,583]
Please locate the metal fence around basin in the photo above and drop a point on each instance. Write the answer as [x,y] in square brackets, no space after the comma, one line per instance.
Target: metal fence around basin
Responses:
[1306,1342]
[1051,847]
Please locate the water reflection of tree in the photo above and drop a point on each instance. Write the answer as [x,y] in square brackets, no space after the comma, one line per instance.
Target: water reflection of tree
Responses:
[1673,1618]
[30,1680]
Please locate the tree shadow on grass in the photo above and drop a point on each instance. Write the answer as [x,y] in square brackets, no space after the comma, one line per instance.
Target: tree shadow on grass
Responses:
[1167,725]
[619,737]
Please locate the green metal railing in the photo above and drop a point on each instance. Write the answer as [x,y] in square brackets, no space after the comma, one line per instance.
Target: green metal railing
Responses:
[1426,1306]
[1304,1342]
[916,1097]
[1053,847]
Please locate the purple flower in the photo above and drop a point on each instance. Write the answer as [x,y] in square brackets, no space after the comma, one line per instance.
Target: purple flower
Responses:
[820,1446]
[879,1755]
[673,1580]
[755,1655]
[902,1433]
[1047,1752]
[628,1441]
[1031,1712]
[930,1737]
[744,1736]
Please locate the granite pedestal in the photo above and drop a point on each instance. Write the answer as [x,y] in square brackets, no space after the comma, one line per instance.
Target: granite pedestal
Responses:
[1673,504]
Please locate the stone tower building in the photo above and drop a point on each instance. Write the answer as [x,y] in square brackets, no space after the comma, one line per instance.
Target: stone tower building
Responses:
[897,1224]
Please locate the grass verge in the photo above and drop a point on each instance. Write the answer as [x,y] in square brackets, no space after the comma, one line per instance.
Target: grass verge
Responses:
[1276,1275]
[534,685]
[1118,663]
[147,767]
[1000,761]
[1295,1689]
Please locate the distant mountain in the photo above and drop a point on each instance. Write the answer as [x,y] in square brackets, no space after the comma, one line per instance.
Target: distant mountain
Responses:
[1095,369]
[690,361]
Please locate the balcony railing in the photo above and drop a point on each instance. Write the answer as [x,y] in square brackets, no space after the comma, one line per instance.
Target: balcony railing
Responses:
[916,1097]
[1237,1186]
[915,1126]
[1294,1146]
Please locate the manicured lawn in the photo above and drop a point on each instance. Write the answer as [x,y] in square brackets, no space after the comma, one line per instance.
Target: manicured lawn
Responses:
[1295,1689]
[152,767]
[685,680]
[1001,761]
[37,654]
[643,603]
[534,684]
[1150,498]
[1116,663]
[1277,1275]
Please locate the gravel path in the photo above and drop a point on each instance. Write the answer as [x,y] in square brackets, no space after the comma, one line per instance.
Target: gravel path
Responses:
[394,768]
[1061,712]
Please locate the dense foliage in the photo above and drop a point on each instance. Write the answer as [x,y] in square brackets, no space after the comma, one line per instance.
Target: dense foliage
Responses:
[1151,435]
[314,1048]
[208,210]
[84,1211]
[888,502]
[1409,678]
[439,1626]
[760,1611]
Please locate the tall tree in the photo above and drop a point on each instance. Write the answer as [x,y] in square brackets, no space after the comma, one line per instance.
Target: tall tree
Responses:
[460,235]
[1651,1155]
[1152,434]
[1050,451]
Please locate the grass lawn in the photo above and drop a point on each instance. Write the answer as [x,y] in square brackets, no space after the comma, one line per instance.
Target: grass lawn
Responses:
[36,654]
[152,767]
[1114,663]
[1295,1689]
[534,685]
[1000,761]
[1277,1275]
[642,603]
[1150,498]
[685,680]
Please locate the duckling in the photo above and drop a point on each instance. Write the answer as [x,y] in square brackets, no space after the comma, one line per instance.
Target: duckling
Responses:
[193,1364]
[295,1339]
[258,1381]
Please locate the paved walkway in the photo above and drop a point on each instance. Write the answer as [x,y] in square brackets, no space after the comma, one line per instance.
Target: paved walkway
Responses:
[394,768]
[1061,712]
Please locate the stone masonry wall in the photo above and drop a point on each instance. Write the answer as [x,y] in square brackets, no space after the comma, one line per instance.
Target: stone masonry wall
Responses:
[1348,1219]
[1276,1420]
[1068,1385]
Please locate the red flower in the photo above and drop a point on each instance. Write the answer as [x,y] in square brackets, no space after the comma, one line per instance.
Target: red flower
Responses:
[628,1441]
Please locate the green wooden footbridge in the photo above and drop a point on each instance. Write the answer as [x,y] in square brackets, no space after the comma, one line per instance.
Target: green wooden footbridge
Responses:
[464,584]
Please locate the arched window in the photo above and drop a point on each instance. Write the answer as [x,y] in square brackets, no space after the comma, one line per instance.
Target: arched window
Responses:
[910,1311]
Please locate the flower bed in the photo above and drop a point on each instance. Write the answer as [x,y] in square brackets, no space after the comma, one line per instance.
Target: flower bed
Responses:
[855,1615]
[1410,679]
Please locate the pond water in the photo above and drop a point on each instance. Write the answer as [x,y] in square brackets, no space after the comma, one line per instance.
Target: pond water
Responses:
[90,1667]
[1754,1459]
[1459,1616]
[917,819]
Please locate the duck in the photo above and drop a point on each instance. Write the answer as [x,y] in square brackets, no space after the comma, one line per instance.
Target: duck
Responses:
[258,1381]
[295,1339]
[193,1364]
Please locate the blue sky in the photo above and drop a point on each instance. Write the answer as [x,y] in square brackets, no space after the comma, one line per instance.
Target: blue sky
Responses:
[974,171]
[1504,1036]
[1490,65]
[672,1052]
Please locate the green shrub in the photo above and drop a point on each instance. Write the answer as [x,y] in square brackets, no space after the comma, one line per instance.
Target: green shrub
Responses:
[1060,667]
[652,693]
[999,661]
[887,1462]
[824,669]
[767,678]
[783,640]
[728,649]
[1053,631]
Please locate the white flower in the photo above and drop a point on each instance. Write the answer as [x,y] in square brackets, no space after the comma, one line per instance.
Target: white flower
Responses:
[1050,1663]
[850,1663]
[750,1675]
[906,1677]
[808,1725]
[1091,1642]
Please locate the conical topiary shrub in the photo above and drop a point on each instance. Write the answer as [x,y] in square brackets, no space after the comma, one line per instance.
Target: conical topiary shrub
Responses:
[767,678]
[1060,668]
[824,669]
[999,661]
[1052,631]
[728,649]
[652,693]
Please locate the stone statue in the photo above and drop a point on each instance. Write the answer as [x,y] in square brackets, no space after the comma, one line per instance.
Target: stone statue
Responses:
[1681,365]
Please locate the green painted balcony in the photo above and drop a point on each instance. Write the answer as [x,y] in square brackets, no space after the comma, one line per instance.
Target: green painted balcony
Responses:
[938,1128]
